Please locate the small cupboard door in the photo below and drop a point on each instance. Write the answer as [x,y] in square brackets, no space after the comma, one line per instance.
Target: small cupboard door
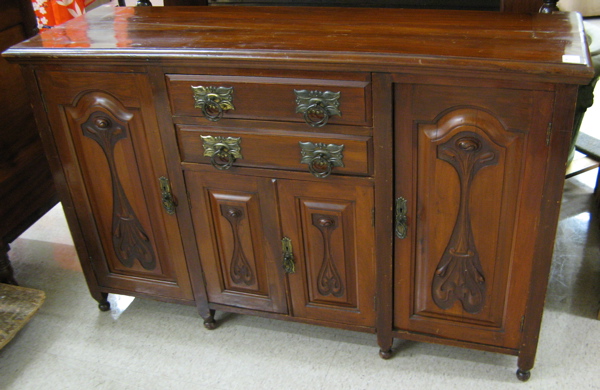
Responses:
[236,229]
[470,165]
[331,229]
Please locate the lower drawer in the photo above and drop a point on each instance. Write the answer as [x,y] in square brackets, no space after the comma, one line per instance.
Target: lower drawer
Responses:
[342,154]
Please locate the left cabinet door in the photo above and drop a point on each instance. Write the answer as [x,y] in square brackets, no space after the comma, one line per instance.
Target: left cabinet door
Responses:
[237,232]
[107,139]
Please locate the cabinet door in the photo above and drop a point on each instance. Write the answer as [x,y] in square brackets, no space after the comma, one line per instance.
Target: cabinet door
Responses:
[470,164]
[331,228]
[105,130]
[236,229]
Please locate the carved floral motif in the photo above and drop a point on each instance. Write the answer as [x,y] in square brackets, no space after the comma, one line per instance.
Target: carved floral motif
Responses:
[459,275]
[239,269]
[329,281]
[130,241]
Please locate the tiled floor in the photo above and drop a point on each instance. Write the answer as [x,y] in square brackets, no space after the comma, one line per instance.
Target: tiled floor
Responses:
[147,345]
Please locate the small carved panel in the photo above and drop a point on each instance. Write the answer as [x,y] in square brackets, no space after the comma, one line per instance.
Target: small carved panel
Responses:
[129,240]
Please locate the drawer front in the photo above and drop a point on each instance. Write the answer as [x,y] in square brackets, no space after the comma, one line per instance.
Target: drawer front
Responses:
[278,151]
[274,98]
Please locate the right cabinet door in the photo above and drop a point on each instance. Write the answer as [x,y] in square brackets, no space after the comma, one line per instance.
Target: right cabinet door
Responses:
[469,170]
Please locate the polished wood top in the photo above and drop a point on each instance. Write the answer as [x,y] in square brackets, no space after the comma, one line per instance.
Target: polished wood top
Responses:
[363,38]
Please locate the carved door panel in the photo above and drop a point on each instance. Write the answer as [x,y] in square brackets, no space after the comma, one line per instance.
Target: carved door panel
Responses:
[463,268]
[236,228]
[331,229]
[107,138]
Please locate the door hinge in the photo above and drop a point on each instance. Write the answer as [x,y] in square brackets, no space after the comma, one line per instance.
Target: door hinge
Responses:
[549,134]
[189,198]
[522,323]
[373,217]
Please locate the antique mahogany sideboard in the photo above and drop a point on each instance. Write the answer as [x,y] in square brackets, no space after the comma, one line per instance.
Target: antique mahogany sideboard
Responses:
[390,171]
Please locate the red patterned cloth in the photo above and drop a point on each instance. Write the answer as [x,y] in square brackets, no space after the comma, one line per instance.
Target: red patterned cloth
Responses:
[54,12]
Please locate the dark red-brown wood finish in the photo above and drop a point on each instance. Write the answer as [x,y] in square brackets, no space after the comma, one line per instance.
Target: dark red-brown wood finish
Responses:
[389,171]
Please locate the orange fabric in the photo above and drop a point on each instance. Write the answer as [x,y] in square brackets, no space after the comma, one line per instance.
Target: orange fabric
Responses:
[54,12]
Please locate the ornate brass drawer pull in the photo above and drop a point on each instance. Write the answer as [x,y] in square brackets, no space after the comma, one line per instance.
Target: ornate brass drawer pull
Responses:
[321,158]
[401,219]
[213,101]
[317,106]
[222,151]
[288,256]
[168,200]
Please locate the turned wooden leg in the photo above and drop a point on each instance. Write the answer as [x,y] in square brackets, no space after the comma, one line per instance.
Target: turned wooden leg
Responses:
[103,303]
[525,364]
[209,321]
[385,346]
[6,271]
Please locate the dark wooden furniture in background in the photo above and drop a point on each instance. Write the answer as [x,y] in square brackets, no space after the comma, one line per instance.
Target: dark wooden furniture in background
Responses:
[26,187]
[516,6]
[397,172]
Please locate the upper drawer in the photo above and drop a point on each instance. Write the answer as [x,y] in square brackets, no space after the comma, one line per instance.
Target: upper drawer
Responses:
[275,98]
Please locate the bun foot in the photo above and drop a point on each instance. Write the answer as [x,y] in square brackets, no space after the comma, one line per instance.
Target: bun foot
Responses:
[104,305]
[523,375]
[210,323]
[385,354]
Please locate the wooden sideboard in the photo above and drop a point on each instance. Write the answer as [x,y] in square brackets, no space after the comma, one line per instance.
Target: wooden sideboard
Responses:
[397,172]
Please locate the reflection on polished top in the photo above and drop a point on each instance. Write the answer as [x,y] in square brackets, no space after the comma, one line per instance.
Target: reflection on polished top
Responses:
[538,44]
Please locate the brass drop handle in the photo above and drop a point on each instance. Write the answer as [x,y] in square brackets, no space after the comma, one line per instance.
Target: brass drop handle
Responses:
[317,106]
[222,151]
[213,101]
[320,165]
[321,158]
[401,218]
[288,256]
[168,201]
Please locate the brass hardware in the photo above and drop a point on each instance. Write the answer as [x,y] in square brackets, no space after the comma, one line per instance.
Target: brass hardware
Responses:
[213,101]
[317,106]
[401,219]
[168,200]
[222,151]
[321,158]
[549,134]
[288,256]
